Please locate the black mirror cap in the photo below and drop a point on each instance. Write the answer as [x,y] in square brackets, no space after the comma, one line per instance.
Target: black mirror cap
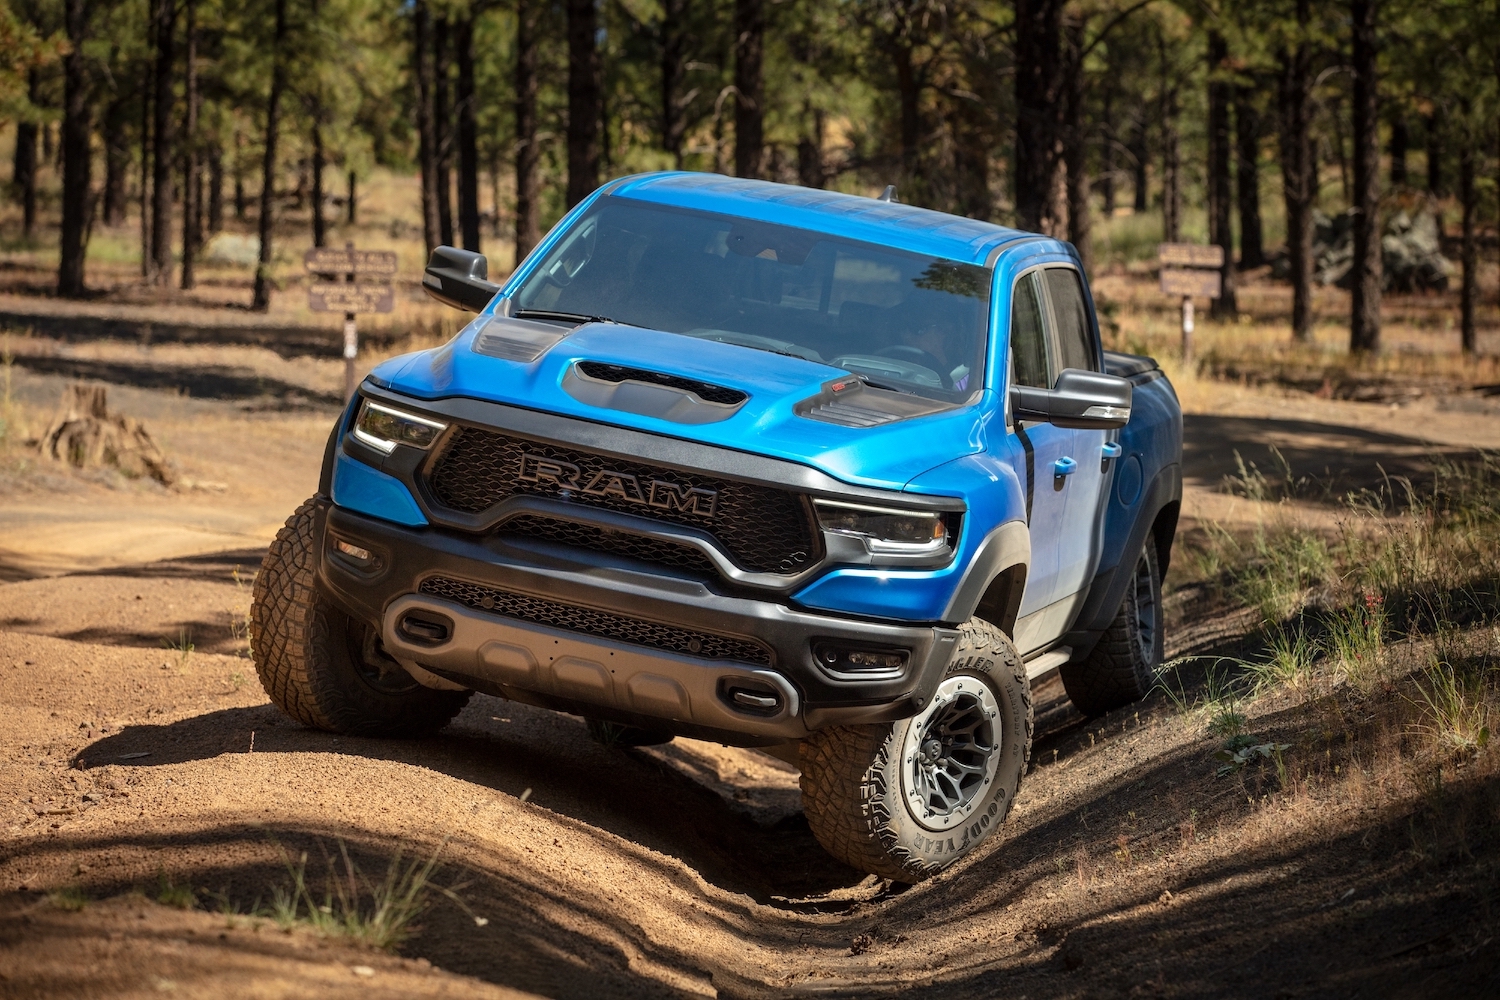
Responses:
[459,278]
[1080,399]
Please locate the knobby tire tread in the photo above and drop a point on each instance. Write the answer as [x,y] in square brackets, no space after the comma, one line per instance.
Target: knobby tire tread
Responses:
[845,773]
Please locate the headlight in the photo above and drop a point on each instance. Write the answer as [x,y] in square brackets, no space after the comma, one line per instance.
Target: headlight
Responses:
[382,428]
[885,529]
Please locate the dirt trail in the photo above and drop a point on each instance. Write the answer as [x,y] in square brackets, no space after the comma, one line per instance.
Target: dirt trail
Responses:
[685,870]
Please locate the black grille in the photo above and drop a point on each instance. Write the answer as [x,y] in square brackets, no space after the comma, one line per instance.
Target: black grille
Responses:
[703,390]
[765,530]
[622,543]
[596,623]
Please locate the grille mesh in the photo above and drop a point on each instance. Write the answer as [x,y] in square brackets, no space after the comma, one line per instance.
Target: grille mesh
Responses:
[620,543]
[764,529]
[703,390]
[596,623]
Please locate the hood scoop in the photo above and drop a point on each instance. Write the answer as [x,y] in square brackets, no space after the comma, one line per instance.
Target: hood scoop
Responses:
[849,402]
[517,339]
[652,394]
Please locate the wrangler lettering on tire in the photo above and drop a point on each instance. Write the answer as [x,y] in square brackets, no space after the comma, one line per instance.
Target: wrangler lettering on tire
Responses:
[904,800]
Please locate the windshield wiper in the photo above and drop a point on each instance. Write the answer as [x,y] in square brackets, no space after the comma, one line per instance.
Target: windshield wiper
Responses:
[555,314]
[881,385]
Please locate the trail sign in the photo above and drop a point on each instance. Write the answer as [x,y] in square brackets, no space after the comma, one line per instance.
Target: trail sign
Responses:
[1189,269]
[330,260]
[325,296]
[1184,281]
[346,296]
[1190,255]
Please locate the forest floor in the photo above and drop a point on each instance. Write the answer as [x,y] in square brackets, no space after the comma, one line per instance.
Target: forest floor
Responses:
[157,814]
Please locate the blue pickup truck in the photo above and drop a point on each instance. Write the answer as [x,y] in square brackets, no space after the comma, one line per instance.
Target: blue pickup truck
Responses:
[827,475]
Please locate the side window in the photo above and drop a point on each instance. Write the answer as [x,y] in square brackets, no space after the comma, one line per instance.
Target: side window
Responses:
[1028,344]
[1075,334]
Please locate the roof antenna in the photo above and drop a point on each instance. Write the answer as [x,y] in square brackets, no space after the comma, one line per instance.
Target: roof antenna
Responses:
[889,194]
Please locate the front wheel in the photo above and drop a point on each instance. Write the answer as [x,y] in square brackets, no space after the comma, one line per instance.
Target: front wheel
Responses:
[905,800]
[322,667]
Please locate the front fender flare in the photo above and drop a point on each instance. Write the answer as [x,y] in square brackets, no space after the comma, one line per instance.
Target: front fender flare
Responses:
[1003,550]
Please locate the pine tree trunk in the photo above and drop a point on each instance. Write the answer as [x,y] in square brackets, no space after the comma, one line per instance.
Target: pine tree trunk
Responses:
[527,153]
[261,298]
[241,202]
[749,105]
[1469,297]
[1038,50]
[1434,124]
[1141,153]
[351,205]
[116,159]
[161,140]
[1400,142]
[1247,184]
[421,55]
[1221,231]
[583,100]
[1298,171]
[468,136]
[77,199]
[319,223]
[1107,185]
[1364,329]
[192,179]
[441,111]
[1075,147]
[672,72]
[146,176]
[812,172]
[216,189]
[23,175]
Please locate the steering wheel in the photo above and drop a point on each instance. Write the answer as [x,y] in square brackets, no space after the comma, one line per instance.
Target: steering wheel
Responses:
[916,353]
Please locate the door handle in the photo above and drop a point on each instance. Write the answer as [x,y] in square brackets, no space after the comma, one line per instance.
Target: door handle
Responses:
[1112,450]
[1064,467]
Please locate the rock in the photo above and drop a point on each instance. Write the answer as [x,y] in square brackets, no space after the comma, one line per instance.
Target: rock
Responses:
[1410,253]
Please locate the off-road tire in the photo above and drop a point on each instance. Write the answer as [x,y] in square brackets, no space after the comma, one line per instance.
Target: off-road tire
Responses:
[853,780]
[1123,666]
[302,649]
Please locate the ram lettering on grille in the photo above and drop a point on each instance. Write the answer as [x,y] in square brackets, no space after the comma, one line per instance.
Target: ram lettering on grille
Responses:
[763,528]
[609,483]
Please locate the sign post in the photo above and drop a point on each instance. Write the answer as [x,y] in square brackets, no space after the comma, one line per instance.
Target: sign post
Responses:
[350,296]
[1185,271]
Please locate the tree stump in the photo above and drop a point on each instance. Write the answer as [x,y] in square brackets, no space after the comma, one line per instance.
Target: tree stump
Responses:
[84,435]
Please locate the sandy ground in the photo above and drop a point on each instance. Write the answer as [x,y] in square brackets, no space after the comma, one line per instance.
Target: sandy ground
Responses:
[128,758]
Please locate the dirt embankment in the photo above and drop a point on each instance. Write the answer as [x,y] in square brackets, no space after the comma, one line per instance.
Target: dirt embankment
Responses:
[130,762]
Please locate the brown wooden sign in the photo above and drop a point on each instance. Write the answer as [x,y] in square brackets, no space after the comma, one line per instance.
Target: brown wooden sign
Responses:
[331,260]
[1189,255]
[328,296]
[1188,282]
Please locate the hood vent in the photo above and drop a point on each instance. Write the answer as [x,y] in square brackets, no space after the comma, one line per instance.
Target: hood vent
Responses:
[706,391]
[517,339]
[849,402]
[651,394]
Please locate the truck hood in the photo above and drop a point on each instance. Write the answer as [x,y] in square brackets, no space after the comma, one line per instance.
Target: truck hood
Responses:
[886,456]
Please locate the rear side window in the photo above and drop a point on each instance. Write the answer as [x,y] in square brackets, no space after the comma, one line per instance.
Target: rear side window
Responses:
[1028,344]
[1075,334]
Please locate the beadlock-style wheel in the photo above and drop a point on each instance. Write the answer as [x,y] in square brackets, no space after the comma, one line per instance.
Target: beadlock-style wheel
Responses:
[905,799]
[951,752]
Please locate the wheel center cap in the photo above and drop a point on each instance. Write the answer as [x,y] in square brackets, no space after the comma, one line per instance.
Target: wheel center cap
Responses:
[932,749]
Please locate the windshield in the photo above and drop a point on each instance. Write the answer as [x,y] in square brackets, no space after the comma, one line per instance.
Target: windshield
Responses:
[903,320]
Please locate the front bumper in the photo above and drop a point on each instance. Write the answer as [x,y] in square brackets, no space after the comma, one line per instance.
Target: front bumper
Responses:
[565,659]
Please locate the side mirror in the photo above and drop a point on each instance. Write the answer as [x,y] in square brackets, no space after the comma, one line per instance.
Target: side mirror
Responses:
[1080,399]
[459,278]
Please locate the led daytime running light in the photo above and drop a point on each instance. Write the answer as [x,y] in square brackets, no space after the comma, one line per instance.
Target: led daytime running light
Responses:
[383,427]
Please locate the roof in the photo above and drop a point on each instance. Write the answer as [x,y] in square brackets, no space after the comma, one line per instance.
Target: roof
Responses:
[906,227]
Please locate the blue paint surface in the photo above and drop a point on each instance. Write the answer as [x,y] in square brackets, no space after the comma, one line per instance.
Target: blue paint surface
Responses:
[358,487]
